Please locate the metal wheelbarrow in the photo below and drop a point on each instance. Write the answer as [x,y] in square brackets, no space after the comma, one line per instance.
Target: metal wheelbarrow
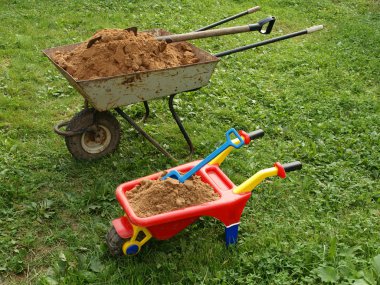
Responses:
[130,232]
[95,132]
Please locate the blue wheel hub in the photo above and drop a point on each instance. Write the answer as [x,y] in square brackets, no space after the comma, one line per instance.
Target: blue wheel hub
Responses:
[132,249]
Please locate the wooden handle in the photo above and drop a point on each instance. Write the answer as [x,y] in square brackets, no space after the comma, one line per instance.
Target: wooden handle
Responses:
[208,33]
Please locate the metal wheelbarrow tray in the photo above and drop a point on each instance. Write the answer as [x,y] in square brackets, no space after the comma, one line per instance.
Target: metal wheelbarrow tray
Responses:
[110,92]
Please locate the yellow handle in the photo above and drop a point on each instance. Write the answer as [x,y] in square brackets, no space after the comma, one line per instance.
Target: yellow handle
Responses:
[251,183]
[221,157]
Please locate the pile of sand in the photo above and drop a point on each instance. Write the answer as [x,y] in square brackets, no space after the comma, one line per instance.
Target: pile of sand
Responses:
[117,52]
[153,197]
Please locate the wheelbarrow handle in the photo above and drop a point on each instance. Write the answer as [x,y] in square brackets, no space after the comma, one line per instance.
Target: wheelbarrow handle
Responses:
[314,29]
[276,170]
[273,40]
[292,166]
[225,20]
[256,134]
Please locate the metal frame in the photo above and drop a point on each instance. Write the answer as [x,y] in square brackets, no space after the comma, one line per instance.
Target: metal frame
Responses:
[151,139]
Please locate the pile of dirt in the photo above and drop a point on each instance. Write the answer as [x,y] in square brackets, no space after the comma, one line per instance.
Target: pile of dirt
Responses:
[152,197]
[114,52]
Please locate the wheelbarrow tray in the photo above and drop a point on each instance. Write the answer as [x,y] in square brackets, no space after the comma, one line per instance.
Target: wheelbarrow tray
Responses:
[110,92]
[228,208]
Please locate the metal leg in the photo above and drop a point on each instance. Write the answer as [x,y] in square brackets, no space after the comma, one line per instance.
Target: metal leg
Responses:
[146,111]
[141,131]
[181,127]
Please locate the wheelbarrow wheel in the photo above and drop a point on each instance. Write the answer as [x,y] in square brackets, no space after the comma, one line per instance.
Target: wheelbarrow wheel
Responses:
[100,136]
[115,242]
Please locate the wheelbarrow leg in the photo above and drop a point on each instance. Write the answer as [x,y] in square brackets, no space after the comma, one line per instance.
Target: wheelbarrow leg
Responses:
[148,137]
[179,123]
[141,131]
[231,220]
[146,111]
[232,233]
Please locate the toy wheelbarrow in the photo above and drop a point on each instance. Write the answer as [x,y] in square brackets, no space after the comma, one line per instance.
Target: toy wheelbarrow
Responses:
[130,232]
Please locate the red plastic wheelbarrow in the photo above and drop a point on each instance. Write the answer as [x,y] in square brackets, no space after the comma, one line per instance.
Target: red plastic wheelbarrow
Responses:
[130,232]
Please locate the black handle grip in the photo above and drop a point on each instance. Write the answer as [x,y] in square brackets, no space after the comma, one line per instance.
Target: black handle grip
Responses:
[292,166]
[262,26]
[270,21]
[256,134]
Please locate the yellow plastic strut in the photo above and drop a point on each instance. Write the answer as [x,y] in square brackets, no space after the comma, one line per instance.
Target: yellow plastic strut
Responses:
[221,157]
[133,241]
[256,179]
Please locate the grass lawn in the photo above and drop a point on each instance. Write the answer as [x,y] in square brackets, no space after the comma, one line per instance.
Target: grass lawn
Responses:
[315,96]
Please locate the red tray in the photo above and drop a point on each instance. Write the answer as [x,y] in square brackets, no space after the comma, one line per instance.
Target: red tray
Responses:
[228,208]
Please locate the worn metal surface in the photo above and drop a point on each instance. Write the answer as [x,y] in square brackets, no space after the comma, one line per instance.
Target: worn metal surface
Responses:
[111,92]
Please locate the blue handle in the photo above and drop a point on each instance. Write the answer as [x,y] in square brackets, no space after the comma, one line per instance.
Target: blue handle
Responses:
[182,178]
[229,140]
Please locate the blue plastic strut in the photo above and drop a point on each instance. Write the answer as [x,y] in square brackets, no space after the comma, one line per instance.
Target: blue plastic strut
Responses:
[182,178]
[232,234]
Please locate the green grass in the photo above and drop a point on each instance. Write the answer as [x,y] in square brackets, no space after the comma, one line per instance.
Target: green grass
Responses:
[316,97]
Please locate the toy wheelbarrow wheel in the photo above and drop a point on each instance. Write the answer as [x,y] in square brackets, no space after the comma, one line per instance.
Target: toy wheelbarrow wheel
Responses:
[118,246]
[91,134]
[115,242]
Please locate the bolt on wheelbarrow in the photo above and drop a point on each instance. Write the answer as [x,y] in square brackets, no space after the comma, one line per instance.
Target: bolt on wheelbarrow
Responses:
[130,232]
[95,132]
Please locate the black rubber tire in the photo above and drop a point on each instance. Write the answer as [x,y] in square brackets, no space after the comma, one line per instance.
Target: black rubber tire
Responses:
[115,242]
[101,137]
